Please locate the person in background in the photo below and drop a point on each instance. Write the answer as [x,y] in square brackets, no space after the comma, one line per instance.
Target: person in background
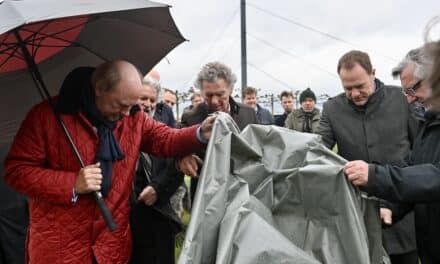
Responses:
[169,97]
[249,95]
[153,221]
[306,119]
[372,121]
[196,99]
[288,103]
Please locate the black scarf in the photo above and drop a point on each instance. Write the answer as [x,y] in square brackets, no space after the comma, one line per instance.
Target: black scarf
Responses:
[77,94]
[307,124]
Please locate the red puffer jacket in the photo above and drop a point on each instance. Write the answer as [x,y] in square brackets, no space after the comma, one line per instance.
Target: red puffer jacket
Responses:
[41,164]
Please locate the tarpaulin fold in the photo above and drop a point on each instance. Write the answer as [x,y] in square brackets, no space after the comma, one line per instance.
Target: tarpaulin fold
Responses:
[273,195]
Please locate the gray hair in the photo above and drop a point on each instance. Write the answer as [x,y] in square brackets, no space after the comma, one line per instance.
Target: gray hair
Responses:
[434,79]
[194,95]
[417,57]
[213,71]
[147,80]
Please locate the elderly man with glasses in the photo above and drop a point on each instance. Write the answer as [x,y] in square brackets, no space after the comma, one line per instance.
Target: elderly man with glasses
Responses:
[412,71]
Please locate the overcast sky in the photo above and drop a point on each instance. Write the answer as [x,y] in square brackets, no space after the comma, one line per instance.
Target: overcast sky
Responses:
[285,56]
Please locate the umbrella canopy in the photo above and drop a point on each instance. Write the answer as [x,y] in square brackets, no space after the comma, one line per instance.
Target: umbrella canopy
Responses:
[62,35]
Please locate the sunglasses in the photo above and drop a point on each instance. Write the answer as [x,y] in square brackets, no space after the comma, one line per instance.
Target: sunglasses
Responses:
[412,90]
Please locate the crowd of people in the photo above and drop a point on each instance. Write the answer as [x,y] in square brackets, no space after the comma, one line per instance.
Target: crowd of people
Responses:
[137,154]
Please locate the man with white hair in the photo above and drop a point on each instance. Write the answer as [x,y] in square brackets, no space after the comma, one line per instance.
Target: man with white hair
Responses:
[412,71]
[154,222]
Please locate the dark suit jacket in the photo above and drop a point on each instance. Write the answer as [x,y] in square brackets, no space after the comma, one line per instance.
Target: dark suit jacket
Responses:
[416,185]
[164,114]
[242,114]
[162,174]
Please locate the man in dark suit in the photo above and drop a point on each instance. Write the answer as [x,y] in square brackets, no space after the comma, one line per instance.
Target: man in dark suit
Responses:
[287,102]
[372,121]
[216,82]
[154,222]
[249,96]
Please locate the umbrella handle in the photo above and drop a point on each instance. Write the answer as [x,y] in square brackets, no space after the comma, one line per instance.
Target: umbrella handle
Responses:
[106,214]
[108,218]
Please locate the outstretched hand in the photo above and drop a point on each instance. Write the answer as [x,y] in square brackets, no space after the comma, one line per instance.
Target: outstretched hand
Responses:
[357,172]
[206,127]
[189,165]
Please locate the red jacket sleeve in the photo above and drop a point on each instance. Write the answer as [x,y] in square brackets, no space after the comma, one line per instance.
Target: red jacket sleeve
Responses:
[160,140]
[26,166]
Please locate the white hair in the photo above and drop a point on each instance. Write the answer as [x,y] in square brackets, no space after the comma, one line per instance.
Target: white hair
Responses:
[421,61]
[147,80]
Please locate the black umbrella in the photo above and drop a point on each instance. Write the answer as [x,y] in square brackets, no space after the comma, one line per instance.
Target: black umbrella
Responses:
[41,41]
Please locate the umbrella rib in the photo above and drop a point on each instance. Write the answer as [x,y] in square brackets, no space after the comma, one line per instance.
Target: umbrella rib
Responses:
[9,46]
[35,39]
[44,35]
[49,46]
[34,34]
[11,55]
[13,46]
[14,54]
[76,44]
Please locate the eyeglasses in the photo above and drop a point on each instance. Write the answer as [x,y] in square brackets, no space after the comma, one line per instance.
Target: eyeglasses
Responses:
[412,90]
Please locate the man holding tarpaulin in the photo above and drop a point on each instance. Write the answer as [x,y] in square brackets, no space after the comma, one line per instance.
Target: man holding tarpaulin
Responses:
[417,186]
[65,223]
[372,121]
[216,83]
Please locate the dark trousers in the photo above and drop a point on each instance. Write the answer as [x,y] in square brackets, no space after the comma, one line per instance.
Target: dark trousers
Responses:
[407,258]
[427,257]
[153,236]
[13,227]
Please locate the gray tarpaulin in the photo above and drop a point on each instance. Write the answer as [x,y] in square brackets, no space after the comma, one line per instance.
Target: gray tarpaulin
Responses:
[272,195]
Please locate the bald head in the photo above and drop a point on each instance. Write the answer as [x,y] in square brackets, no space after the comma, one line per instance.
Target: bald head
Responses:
[118,87]
[153,74]
[109,74]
